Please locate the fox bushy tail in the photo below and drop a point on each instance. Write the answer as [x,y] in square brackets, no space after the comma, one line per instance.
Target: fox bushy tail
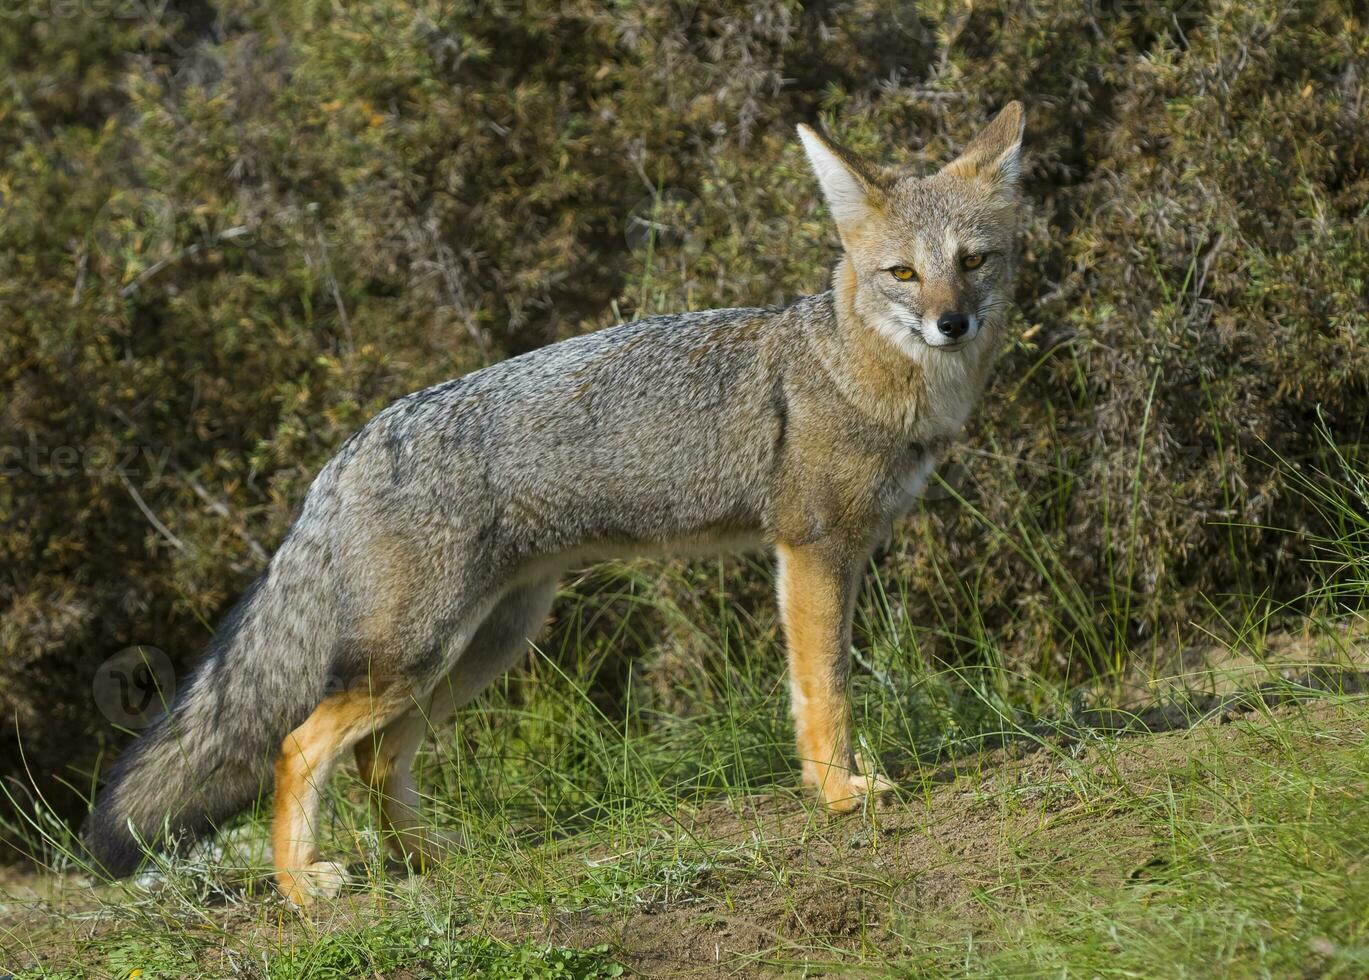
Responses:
[211,756]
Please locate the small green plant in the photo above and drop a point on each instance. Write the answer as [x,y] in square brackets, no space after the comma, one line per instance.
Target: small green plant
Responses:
[435,952]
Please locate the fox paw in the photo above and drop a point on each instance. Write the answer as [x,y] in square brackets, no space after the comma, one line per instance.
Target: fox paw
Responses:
[322,879]
[845,791]
[856,792]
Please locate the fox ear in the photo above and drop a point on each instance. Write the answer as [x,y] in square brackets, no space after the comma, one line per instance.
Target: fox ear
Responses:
[994,156]
[849,184]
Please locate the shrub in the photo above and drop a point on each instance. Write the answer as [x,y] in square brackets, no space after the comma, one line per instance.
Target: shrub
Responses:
[234,231]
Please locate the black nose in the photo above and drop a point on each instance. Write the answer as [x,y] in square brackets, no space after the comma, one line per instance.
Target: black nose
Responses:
[953,325]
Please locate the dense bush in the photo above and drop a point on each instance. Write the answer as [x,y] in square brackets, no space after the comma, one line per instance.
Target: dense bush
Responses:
[233,231]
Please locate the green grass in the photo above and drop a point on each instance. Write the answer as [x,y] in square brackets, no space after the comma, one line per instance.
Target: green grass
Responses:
[646,817]
[423,949]
[1231,848]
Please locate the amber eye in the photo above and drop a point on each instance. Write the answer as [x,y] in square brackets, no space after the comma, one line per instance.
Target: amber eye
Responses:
[972,261]
[902,273]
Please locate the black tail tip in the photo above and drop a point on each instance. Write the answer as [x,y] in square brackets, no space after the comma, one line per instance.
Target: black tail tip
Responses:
[109,843]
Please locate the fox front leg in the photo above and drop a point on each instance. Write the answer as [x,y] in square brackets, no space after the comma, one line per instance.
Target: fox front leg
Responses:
[817,587]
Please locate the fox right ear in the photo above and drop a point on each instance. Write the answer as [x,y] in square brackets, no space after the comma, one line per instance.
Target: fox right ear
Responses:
[848,183]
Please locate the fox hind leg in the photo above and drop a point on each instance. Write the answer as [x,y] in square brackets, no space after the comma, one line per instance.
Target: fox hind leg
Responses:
[385,758]
[385,762]
[307,758]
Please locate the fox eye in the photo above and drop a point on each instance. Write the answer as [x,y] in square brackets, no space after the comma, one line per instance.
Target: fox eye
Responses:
[903,274]
[972,261]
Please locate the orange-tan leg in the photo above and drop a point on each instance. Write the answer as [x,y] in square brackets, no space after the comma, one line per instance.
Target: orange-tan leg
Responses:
[817,586]
[308,756]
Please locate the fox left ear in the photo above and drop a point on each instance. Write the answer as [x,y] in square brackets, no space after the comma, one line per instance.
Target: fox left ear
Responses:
[994,156]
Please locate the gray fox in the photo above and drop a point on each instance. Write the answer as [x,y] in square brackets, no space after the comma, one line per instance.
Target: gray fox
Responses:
[427,551]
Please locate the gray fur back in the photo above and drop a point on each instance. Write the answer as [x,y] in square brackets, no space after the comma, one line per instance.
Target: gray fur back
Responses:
[643,433]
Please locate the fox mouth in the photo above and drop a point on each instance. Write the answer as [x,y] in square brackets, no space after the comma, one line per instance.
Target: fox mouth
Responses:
[945,344]
[950,346]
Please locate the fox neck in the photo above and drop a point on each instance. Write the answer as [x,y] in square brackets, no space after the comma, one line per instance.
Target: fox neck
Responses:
[927,396]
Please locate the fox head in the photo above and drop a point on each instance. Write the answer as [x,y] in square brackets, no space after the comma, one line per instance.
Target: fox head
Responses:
[927,259]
